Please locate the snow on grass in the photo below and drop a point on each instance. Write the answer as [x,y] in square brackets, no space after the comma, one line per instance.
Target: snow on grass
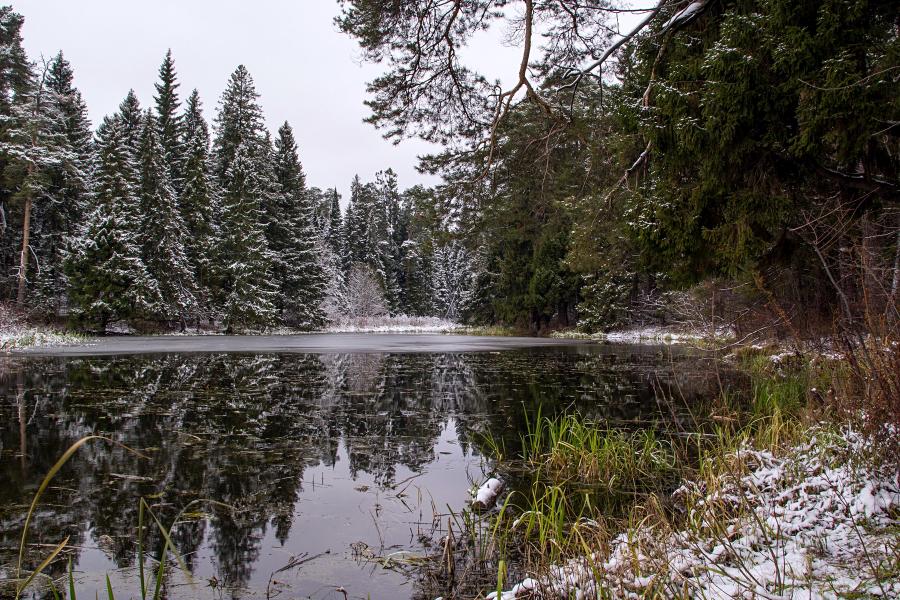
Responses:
[16,334]
[654,334]
[817,522]
[397,324]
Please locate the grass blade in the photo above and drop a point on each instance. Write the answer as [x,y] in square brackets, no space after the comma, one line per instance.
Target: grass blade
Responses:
[109,592]
[42,566]
[71,581]
[46,482]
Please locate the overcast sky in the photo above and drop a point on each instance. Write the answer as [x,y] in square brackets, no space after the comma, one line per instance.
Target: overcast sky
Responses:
[305,70]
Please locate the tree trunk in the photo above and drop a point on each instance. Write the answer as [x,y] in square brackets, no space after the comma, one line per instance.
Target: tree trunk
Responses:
[23,259]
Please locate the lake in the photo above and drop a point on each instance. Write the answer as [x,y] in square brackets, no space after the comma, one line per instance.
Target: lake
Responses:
[333,461]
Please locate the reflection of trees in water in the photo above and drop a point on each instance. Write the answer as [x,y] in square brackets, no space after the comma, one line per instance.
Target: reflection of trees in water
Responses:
[242,429]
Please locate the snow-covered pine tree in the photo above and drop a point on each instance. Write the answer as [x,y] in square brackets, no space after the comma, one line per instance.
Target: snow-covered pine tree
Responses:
[334,227]
[56,219]
[34,146]
[356,226]
[415,266]
[199,202]
[330,251]
[131,118]
[163,232]
[293,239]
[15,78]
[452,277]
[386,238]
[109,281]
[169,121]
[245,281]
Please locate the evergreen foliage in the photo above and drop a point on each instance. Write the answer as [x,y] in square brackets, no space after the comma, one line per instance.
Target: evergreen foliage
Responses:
[38,155]
[292,239]
[199,203]
[131,119]
[69,184]
[108,279]
[152,223]
[169,120]
[245,281]
[163,232]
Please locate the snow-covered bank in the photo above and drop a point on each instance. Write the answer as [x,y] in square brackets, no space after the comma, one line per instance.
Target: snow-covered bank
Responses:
[650,334]
[18,334]
[398,324]
[816,522]
[30,337]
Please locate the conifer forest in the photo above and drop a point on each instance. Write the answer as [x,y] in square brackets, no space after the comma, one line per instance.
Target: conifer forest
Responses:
[746,147]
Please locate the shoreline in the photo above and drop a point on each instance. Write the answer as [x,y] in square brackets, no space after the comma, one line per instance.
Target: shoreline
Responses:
[812,521]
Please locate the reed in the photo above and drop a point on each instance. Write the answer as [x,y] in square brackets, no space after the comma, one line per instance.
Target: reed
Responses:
[146,519]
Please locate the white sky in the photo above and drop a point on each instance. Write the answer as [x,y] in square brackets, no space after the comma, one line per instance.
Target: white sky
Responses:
[305,70]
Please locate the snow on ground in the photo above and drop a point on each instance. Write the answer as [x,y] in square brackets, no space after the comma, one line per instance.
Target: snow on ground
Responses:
[18,337]
[398,324]
[815,523]
[656,334]
[651,334]
[16,333]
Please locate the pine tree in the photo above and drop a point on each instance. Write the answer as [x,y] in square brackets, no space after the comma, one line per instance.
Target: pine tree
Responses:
[15,78]
[131,117]
[109,281]
[386,237]
[199,202]
[56,219]
[163,230]
[292,238]
[452,279]
[244,280]
[33,147]
[334,226]
[361,226]
[331,261]
[169,121]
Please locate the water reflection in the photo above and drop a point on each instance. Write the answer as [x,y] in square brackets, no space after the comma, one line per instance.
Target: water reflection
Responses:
[306,450]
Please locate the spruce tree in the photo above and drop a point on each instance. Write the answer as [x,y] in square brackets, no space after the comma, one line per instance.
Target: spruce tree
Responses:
[109,281]
[452,280]
[34,146]
[131,116]
[358,246]
[245,282]
[331,258]
[293,239]
[169,121]
[163,230]
[199,202]
[56,219]
[15,76]
[386,238]
[334,226]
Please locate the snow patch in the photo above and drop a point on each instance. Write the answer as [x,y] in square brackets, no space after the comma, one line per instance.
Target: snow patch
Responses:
[397,324]
[807,525]
[487,494]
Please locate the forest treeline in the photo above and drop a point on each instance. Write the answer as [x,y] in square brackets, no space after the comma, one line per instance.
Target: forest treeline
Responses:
[157,220]
[724,159]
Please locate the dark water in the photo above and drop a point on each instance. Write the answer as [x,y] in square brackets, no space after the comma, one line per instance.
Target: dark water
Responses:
[335,461]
